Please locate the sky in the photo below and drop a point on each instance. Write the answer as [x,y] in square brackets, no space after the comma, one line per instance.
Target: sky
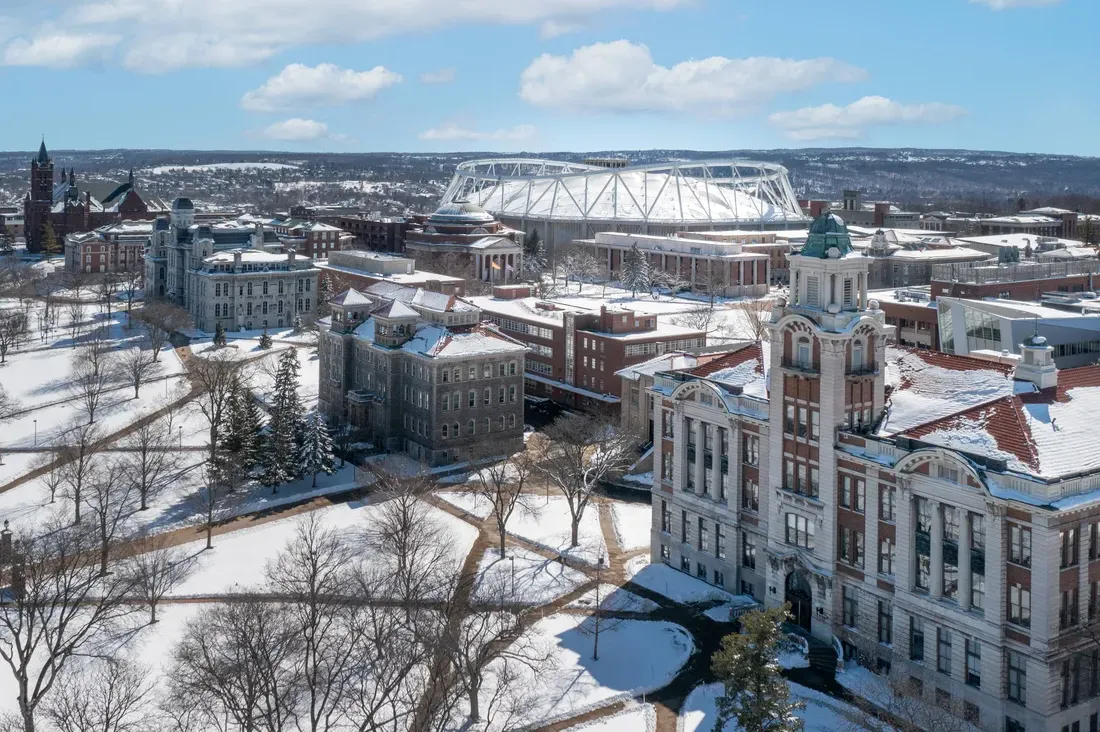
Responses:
[549,75]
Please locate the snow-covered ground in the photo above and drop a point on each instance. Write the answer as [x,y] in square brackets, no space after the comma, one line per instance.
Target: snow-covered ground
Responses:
[674,585]
[633,524]
[636,657]
[614,599]
[471,503]
[538,580]
[822,713]
[638,718]
[721,613]
[548,525]
[162,169]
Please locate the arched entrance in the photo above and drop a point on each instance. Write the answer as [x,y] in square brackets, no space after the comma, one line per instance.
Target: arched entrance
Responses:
[801,598]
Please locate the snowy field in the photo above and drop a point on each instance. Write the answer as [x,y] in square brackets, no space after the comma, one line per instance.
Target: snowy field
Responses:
[673,584]
[822,713]
[638,718]
[633,524]
[548,525]
[473,504]
[538,580]
[214,167]
[614,599]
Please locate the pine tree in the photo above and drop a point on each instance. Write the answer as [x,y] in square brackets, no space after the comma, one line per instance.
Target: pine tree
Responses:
[297,323]
[635,271]
[265,340]
[534,256]
[50,244]
[284,434]
[324,290]
[315,455]
[219,336]
[747,664]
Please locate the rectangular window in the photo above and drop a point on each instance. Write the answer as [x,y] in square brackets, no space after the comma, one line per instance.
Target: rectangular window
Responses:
[704,535]
[800,531]
[852,493]
[1017,677]
[851,546]
[1019,545]
[977,532]
[916,638]
[1068,539]
[885,622]
[748,550]
[1067,613]
[886,555]
[684,526]
[973,663]
[1019,605]
[943,651]
[666,518]
[977,591]
[848,599]
[750,495]
[719,541]
[886,510]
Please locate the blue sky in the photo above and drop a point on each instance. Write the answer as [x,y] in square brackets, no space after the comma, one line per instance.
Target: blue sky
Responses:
[543,75]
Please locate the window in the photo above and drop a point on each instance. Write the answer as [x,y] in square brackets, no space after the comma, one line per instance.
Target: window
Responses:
[701,571]
[685,564]
[750,495]
[684,527]
[511,394]
[472,399]
[511,420]
[885,622]
[719,578]
[973,663]
[703,534]
[487,398]
[943,651]
[1019,605]
[857,356]
[473,373]
[852,493]
[446,403]
[471,427]
[887,552]
[446,431]
[750,452]
[804,354]
[665,553]
[501,395]
[847,292]
[1017,677]
[916,638]
[1019,545]
[800,531]
[666,518]
[848,601]
[977,590]
[851,546]
[944,472]
[265,287]
[1067,613]
[1069,547]
[886,510]
[748,550]
[719,541]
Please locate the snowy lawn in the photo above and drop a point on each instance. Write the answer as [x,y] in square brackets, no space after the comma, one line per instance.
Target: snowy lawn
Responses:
[633,524]
[674,585]
[640,718]
[822,713]
[473,504]
[538,580]
[636,657]
[18,463]
[239,558]
[615,599]
[721,613]
[548,525]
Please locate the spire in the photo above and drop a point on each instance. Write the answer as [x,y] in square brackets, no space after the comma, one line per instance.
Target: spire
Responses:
[72,176]
[131,177]
[43,156]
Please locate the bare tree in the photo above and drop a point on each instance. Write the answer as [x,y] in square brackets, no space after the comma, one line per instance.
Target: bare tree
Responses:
[502,484]
[672,280]
[138,366]
[108,695]
[150,459]
[235,660]
[155,569]
[110,500]
[215,377]
[751,320]
[698,318]
[61,607]
[162,319]
[9,406]
[79,455]
[106,289]
[52,475]
[90,377]
[906,707]
[583,451]
[129,284]
[77,311]
[13,327]
[210,502]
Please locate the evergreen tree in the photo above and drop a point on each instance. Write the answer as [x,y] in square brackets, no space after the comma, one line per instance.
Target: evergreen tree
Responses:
[50,243]
[219,336]
[297,323]
[265,340]
[281,451]
[534,256]
[324,290]
[747,664]
[635,272]
[315,455]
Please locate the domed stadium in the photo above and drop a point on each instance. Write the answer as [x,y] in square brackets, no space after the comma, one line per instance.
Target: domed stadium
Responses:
[566,201]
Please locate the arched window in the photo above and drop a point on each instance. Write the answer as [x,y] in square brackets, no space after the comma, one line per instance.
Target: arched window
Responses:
[488,425]
[457,374]
[471,427]
[454,429]
[446,429]
[857,355]
[511,420]
[265,287]
[263,308]
[804,353]
[446,376]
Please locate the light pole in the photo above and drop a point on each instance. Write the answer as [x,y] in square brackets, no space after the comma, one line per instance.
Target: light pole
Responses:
[596,641]
[181,436]
[513,560]
[36,433]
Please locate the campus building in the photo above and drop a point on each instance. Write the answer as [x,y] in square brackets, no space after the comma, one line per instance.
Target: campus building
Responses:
[938,514]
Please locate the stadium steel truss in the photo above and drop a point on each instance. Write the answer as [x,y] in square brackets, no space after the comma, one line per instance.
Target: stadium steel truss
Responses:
[581,199]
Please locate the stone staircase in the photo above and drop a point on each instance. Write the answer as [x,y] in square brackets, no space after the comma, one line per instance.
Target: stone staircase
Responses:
[821,656]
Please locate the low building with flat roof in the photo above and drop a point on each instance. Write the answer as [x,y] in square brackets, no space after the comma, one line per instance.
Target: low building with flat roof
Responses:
[359,270]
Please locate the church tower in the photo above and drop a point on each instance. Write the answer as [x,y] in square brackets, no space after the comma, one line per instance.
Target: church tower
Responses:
[39,201]
[827,374]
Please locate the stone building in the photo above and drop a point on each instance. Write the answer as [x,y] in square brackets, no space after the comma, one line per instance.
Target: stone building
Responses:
[112,248]
[461,239]
[420,373]
[246,289]
[938,514]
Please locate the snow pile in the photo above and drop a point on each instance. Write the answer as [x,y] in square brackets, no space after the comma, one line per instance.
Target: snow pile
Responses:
[749,376]
[677,586]
[640,718]
[633,524]
[614,599]
[971,435]
[535,581]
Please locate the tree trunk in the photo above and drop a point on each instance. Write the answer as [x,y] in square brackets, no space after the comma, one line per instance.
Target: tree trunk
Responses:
[144,499]
[574,529]
[315,480]
[152,613]
[104,549]
[503,533]
[209,536]
[475,711]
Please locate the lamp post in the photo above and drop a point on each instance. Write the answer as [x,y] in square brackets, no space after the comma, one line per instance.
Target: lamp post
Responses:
[513,560]
[181,436]
[596,640]
[36,433]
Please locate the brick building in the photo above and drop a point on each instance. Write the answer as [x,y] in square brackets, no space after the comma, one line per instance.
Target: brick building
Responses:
[421,374]
[377,233]
[112,248]
[576,353]
[310,238]
[1026,280]
[938,514]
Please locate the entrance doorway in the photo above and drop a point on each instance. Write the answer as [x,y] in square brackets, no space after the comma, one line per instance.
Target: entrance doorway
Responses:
[801,598]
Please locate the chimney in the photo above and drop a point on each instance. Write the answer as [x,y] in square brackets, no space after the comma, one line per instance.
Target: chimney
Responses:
[881,210]
[1037,363]
[290,255]
[258,236]
[237,260]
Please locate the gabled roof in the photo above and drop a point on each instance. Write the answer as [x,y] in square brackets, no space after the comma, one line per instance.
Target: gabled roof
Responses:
[745,369]
[395,309]
[351,297]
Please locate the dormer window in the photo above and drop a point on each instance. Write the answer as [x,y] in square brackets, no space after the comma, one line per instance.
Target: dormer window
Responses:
[948,473]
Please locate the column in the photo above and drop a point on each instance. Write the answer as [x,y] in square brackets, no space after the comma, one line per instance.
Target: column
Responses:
[741,277]
[716,463]
[679,455]
[863,290]
[964,560]
[733,494]
[767,273]
[936,552]
[700,450]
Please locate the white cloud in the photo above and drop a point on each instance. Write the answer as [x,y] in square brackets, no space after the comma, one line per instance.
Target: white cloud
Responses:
[299,130]
[299,86]
[832,122]
[162,35]
[1006,4]
[455,132]
[60,50]
[622,77]
[554,28]
[442,76]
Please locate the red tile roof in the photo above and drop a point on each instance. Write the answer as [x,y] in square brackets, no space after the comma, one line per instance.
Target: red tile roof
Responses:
[1003,419]
[729,360]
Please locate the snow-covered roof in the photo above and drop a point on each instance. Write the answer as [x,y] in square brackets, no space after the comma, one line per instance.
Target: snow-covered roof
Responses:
[661,330]
[419,297]
[1049,211]
[395,309]
[248,256]
[437,341]
[1022,220]
[1020,241]
[745,369]
[351,297]
[674,361]
[954,253]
